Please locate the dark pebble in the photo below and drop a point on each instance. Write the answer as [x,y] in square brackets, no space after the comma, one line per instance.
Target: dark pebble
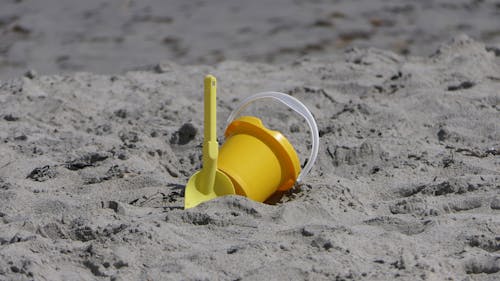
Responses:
[462,86]
[306,232]
[86,160]
[30,74]
[122,113]
[10,117]
[185,134]
[41,174]
[21,138]
[232,250]
[442,134]
[495,50]
[14,269]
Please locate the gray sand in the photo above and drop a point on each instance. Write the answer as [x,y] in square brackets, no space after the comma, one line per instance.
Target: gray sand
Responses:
[92,170]
[102,36]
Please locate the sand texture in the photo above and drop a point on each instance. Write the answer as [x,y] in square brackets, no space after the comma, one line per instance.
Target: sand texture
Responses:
[102,36]
[406,186]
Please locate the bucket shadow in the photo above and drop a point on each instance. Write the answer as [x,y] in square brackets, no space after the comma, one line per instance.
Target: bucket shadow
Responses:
[275,198]
[280,197]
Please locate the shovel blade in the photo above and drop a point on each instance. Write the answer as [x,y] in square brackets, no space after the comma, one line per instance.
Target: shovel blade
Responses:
[193,195]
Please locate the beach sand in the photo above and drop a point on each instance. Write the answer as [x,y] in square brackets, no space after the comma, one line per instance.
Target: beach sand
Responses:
[108,37]
[406,185]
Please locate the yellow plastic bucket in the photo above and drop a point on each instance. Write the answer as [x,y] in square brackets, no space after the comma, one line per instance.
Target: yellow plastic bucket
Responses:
[258,161]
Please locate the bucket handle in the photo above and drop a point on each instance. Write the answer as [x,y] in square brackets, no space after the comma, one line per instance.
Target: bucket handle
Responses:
[296,106]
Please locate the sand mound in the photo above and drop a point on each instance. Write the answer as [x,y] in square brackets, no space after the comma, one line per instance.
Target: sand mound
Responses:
[92,170]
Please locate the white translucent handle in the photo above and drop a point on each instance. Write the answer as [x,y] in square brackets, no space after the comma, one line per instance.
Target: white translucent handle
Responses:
[296,106]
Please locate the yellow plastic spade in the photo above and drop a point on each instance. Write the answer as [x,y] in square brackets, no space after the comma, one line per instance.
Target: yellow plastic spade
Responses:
[208,183]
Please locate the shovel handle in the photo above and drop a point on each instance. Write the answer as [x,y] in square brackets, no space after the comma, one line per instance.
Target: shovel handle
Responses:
[210,96]
[210,145]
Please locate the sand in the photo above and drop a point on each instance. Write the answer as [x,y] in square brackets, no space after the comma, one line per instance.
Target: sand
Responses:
[406,186]
[107,37]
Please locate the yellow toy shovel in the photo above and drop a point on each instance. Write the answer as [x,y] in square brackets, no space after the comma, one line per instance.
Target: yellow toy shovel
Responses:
[208,183]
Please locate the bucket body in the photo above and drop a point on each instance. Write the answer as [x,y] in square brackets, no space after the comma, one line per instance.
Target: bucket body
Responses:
[258,161]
